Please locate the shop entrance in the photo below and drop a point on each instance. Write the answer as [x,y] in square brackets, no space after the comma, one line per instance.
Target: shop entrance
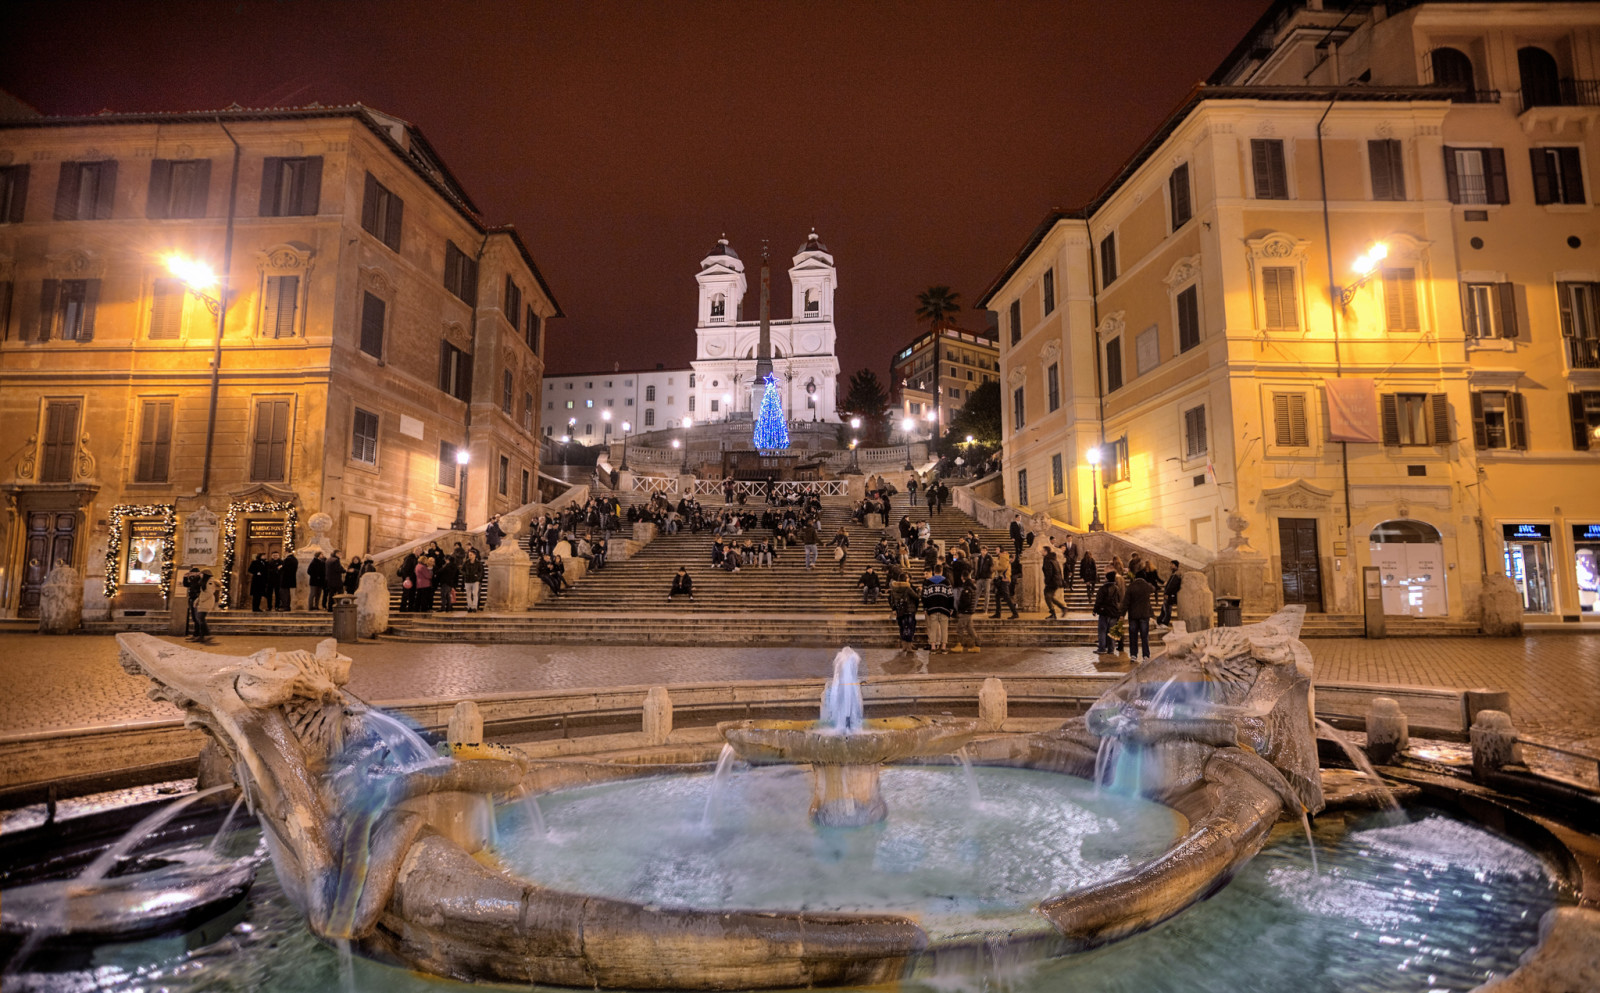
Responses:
[261,537]
[1586,562]
[1302,568]
[1410,559]
[51,536]
[1528,565]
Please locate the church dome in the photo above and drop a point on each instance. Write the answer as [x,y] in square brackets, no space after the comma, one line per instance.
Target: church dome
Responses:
[813,244]
[722,248]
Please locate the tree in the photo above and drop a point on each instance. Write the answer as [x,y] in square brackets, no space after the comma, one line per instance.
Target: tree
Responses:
[938,305]
[866,399]
[979,418]
[771,433]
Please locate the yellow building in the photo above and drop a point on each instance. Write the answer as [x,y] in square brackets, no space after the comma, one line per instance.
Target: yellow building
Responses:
[374,326]
[1341,303]
[964,361]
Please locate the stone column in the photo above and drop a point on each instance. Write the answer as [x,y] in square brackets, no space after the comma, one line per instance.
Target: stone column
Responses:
[319,523]
[508,570]
[1031,596]
[1494,743]
[992,704]
[657,723]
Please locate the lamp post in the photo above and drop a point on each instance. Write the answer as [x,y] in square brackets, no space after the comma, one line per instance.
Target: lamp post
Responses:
[727,406]
[1365,266]
[605,415]
[855,454]
[1094,485]
[688,422]
[462,458]
[200,280]
[626,427]
[906,427]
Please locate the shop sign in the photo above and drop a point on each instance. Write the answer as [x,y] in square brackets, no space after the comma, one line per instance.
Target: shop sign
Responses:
[272,529]
[200,538]
[1526,532]
[1585,533]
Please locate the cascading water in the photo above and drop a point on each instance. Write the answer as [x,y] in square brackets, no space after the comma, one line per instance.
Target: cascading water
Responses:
[227,822]
[973,796]
[842,709]
[1359,759]
[1104,760]
[718,780]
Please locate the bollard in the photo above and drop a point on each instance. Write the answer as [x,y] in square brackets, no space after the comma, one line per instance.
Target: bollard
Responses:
[466,725]
[992,704]
[1494,743]
[657,715]
[1388,732]
[1475,702]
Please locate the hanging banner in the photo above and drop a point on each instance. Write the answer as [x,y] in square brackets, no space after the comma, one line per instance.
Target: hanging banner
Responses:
[1353,410]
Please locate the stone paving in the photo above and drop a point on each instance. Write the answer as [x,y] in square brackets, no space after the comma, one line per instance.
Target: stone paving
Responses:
[73,682]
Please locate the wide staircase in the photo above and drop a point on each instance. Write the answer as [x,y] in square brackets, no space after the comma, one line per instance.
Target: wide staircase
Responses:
[786,603]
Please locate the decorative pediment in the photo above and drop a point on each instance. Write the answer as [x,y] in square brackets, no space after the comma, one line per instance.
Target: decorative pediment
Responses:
[289,258]
[1278,245]
[263,493]
[374,278]
[1183,271]
[1298,495]
[1112,323]
[1017,375]
[1051,349]
[75,263]
[455,329]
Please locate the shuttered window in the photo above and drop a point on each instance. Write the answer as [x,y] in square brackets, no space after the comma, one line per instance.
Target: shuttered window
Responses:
[86,191]
[1108,259]
[513,301]
[1058,480]
[1178,196]
[1019,409]
[1289,420]
[1400,300]
[269,459]
[1489,310]
[507,391]
[1499,420]
[280,301]
[1119,469]
[166,309]
[155,441]
[1049,292]
[1584,406]
[373,312]
[525,481]
[364,437]
[13,193]
[1279,309]
[67,308]
[1052,386]
[1557,175]
[1016,322]
[527,411]
[1022,487]
[291,187]
[1267,165]
[7,291]
[1114,365]
[1194,432]
[1388,172]
[1415,418]
[1188,319]
[1476,175]
[530,330]
[505,474]
[381,212]
[460,273]
[455,371]
[178,188]
[60,441]
[447,464]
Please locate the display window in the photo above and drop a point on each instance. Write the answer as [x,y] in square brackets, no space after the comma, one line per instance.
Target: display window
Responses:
[1586,565]
[1410,559]
[1528,561]
[143,556]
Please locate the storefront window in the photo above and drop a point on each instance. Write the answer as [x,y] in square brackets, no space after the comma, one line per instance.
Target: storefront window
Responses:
[1586,555]
[1528,565]
[143,555]
[1410,559]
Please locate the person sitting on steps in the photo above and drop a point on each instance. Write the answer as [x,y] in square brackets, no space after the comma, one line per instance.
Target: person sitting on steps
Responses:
[682,585]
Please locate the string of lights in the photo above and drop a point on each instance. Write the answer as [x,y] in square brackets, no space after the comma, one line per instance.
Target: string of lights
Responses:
[230,534]
[169,527]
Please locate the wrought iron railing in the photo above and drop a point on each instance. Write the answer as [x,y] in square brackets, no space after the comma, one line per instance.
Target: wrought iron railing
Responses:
[1566,93]
[1583,353]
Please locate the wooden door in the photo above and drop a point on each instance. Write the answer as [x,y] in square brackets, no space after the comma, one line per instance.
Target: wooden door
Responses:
[1302,568]
[51,535]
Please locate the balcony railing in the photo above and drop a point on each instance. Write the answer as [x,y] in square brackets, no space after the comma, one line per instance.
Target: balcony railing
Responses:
[1583,353]
[1566,93]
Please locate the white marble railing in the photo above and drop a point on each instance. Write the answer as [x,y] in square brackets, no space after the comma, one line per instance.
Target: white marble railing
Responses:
[655,484]
[654,456]
[758,489]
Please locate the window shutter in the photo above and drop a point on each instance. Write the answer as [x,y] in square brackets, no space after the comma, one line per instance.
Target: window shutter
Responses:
[106,192]
[278,306]
[530,330]
[1469,310]
[280,438]
[1400,299]
[1178,190]
[1269,290]
[160,195]
[1439,405]
[1543,188]
[50,299]
[1381,161]
[261,450]
[1495,160]
[1391,419]
[271,176]
[464,378]
[67,191]
[60,442]
[469,281]
[166,312]
[91,297]
[1571,175]
[372,313]
[1452,181]
[452,268]
[1563,302]
[1261,166]
[391,234]
[369,205]
[1289,419]
[1280,174]
[1188,319]
[163,447]
[200,188]
[1480,429]
[1580,422]
[311,186]
[145,473]
[1516,422]
[1505,298]
[19,192]
[446,381]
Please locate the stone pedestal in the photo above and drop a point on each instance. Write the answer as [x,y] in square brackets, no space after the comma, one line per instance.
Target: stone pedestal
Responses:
[846,795]
[1243,576]
[1197,606]
[855,488]
[61,601]
[1500,606]
[508,571]
[624,481]
[1388,731]
[319,524]
[466,725]
[1031,595]
[372,605]
[1494,743]
[657,715]
[992,704]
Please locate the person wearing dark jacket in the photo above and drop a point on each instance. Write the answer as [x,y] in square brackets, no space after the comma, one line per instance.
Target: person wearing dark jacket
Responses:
[967,604]
[333,578]
[939,603]
[868,585]
[288,577]
[682,585]
[472,577]
[259,589]
[1089,572]
[1138,602]
[903,602]
[314,578]
[1069,564]
[408,582]
[1052,584]
[1016,536]
[1107,608]
[445,578]
[493,534]
[1169,598]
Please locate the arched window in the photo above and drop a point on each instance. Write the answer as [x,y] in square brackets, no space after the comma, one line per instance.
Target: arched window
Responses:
[1405,533]
[649,392]
[1541,80]
[1452,69]
[719,305]
[691,380]
[650,415]
[813,305]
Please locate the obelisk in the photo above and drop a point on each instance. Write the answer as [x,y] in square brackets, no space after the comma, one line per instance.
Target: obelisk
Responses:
[764,347]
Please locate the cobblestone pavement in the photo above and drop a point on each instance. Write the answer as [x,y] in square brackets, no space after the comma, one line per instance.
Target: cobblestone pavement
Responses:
[71,682]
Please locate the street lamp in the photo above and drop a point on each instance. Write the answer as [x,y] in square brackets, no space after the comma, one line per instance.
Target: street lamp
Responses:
[727,406]
[907,426]
[566,439]
[1365,266]
[1094,485]
[626,427]
[855,454]
[462,458]
[202,281]
[688,422]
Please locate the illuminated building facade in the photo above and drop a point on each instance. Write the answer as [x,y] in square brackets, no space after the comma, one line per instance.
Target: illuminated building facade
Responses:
[964,360]
[1345,296]
[375,326]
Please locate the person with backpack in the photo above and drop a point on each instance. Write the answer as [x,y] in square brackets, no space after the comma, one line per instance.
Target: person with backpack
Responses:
[903,603]
[967,601]
[1107,610]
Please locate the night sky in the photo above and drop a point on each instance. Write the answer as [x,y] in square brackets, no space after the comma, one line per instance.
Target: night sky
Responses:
[924,141]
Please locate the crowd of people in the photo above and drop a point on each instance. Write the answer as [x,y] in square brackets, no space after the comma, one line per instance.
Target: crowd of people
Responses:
[435,580]
[274,575]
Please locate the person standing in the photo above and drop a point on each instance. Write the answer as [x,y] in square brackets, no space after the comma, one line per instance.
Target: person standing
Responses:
[1107,609]
[270,574]
[1016,536]
[493,533]
[314,574]
[258,582]
[193,583]
[446,578]
[1138,602]
[408,582]
[966,605]
[841,549]
[939,603]
[1002,585]
[933,499]
[1052,584]
[1089,572]
[424,587]
[333,579]
[204,604]
[911,492]
[903,602]
[808,538]
[288,578]
[1069,564]
[1169,597]
[982,574]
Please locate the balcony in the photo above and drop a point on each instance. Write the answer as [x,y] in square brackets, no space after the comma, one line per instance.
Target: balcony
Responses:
[1469,95]
[1565,93]
[1583,353]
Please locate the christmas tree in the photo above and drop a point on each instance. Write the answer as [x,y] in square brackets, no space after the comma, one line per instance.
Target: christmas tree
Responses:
[771,432]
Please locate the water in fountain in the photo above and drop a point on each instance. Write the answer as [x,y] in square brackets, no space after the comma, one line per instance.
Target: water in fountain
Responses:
[1160,706]
[842,708]
[1104,759]
[974,797]
[227,822]
[724,764]
[1311,844]
[534,816]
[1359,759]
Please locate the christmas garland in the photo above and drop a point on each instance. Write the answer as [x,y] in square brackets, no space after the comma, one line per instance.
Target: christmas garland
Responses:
[169,527]
[230,534]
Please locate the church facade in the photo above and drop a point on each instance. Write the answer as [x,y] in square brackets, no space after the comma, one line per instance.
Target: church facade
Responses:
[803,345]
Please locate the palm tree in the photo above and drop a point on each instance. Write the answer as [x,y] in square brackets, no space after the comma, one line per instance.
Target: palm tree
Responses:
[938,305]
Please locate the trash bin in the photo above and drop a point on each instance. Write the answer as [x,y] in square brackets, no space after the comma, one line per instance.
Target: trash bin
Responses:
[344,618]
[1228,612]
